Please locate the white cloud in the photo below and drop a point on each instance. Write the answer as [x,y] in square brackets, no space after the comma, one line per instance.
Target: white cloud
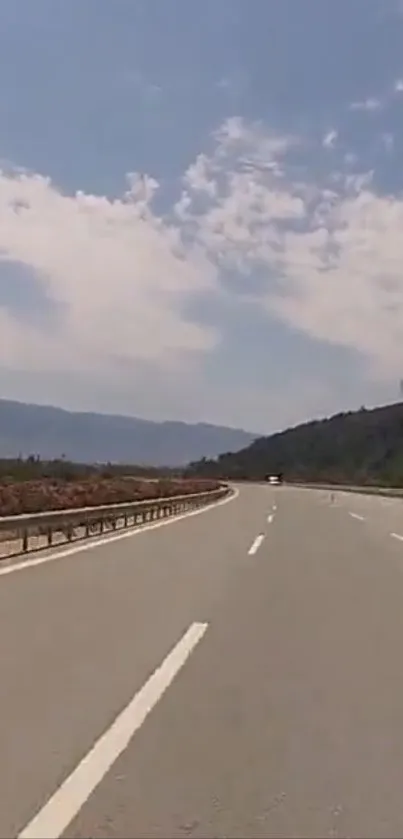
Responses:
[331,254]
[329,139]
[253,141]
[375,103]
[118,270]
[370,104]
[200,176]
[354,299]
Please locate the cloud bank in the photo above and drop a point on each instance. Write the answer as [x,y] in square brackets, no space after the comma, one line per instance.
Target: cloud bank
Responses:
[120,278]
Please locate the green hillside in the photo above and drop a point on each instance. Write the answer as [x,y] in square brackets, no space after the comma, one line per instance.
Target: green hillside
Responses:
[360,447]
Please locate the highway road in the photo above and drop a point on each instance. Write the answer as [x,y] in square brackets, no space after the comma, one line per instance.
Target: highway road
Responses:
[237,672]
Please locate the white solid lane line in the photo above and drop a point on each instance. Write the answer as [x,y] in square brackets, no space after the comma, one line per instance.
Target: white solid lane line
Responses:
[53,819]
[90,545]
[356,516]
[397,536]
[256,544]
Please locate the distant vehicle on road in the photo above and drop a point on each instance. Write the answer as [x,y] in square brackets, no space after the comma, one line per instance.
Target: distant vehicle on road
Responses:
[274,480]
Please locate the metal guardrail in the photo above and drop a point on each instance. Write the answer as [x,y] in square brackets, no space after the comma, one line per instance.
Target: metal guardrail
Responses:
[35,531]
[389,492]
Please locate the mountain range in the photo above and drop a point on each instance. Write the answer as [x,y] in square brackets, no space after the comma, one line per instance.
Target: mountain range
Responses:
[51,432]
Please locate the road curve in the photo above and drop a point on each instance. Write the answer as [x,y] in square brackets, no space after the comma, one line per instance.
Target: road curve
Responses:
[235,673]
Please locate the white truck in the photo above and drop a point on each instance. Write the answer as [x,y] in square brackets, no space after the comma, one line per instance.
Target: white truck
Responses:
[274,480]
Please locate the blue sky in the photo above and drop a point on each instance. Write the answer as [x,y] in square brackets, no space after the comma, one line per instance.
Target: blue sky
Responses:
[201,207]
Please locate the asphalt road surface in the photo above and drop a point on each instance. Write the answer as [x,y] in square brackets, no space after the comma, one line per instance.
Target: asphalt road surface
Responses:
[238,672]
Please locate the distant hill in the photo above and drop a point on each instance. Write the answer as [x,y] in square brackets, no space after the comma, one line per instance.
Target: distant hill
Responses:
[90,437]
[360,447]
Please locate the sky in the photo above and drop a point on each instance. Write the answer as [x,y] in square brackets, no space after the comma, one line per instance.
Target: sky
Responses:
[201,207]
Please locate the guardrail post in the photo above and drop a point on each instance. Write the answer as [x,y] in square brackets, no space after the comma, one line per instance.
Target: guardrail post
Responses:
[25,540]
[50,536]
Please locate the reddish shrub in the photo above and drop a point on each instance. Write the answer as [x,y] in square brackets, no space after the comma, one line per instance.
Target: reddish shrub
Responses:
[50,494]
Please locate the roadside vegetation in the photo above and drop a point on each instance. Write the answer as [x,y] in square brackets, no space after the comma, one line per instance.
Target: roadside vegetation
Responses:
[32,485]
